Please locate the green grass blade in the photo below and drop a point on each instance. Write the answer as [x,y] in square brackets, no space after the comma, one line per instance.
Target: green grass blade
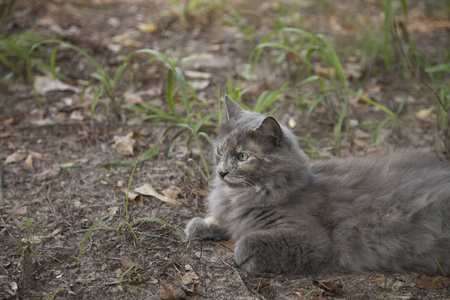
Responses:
[94,103]
[307,80]
[335,61]
[129,184]
[256,54]
[53,61]
[313,105]
[159,221]
[373,103]
[121,69]
[337,136]
[203,120]
[100,78]
[159,55]
[438,68]
[286,48]
[94,226]
[4,60]
[183,89]
[379,127]
[206,136]
[170,88]
[152,152]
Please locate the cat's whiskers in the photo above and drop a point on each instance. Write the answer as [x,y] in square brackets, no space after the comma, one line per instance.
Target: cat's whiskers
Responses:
[256,187]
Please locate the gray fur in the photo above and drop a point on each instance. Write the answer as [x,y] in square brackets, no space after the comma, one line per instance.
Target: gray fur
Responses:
[357,214]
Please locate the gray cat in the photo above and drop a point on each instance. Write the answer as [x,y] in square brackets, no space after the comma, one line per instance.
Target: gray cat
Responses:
[357,214]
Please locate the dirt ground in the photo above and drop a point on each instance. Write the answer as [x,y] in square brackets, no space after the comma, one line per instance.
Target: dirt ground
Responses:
[53,191]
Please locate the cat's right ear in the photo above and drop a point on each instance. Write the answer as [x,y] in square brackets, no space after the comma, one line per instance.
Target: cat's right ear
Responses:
[233,109]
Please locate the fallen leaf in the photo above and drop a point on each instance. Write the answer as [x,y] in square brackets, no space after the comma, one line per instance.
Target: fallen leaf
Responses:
[18,212]
[15,157]
[45,84]
[292,123]
[13,121]
[424,113]
[133,197]
[124,144]
[147,28]
[38,156]
[126,262]
[325,72]
[148,190]
[171,292]
[431,283]
[172,192]
[189,275]
[134,98]
[397,285]
[199,84]
[47,174]
[197,75]
[29,160]
[330,287]
[228,244]
[380,281]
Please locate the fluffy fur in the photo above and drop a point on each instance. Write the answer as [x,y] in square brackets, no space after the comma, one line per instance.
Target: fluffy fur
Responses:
[357,214]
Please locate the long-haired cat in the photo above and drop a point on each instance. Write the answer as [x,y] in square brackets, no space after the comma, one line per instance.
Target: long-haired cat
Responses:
[357,214]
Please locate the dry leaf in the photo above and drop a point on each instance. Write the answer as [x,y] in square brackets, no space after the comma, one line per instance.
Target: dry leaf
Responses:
[189,275]
[199,84]
[47,174]
[330,287]
[325,72]
[15,157]
[197,75]
[431,283]
[45,84]
[147,28]
[29,160]
[126,262]
[13,121]
[424,113]
[292,123]
[148,190]
[171,292]
[380,281]
[124,144]
[172,192]
[133,197]
[228,244]
[18,212]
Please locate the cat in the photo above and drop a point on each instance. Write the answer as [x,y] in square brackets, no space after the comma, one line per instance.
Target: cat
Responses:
[287,216]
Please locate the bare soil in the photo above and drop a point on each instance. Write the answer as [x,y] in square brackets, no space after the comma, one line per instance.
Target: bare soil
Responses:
[56,192]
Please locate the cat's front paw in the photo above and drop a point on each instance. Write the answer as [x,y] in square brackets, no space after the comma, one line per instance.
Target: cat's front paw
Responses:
[205,229]
[258,253]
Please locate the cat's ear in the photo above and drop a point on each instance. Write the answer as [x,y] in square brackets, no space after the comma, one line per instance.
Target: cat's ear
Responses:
[233,109]
[270,128]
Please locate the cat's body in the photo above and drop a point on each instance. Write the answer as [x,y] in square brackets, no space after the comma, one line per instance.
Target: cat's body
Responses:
[373,213]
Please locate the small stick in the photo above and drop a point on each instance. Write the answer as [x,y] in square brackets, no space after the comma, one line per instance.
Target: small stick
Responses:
[423,82]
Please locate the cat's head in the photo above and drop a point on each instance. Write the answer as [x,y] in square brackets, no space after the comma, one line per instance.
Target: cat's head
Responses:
[257,151]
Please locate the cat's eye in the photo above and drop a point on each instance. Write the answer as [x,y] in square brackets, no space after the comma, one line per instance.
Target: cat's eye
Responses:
[219,151]
[242,156]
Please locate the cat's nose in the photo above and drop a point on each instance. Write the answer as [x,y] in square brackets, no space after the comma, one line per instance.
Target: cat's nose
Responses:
[223,173]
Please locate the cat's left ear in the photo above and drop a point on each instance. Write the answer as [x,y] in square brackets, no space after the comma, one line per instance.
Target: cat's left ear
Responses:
[233,109]
[270,128]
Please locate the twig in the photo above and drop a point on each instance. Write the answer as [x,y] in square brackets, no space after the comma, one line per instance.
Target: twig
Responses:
[423,82]
[238,271]
[1,184]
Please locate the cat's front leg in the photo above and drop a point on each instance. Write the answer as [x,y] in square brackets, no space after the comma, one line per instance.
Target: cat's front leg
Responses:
[275,251]
[205,229]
